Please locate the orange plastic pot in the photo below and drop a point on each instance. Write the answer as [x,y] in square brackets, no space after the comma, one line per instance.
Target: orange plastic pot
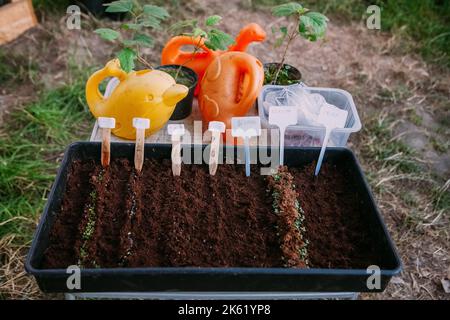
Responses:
[173,53]
[230,87]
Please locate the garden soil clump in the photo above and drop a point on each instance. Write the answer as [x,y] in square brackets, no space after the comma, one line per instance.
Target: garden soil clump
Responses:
[115,217]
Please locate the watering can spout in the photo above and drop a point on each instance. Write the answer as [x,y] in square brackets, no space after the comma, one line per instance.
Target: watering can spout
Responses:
[175,94]
[95,100]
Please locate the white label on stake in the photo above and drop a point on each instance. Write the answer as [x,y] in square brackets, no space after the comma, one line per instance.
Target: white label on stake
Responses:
[283,116]
[106,123]
[216,126]
[332,117]
[176,129]
[141,123]
[245,127]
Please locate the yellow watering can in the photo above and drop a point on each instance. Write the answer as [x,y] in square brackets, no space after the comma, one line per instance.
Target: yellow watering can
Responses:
[150,94]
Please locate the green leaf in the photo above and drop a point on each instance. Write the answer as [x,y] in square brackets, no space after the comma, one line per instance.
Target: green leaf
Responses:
[178,27]
[107,34]
[287,9]
[313,26]
[143,40]
[129,43]
[151,22]
[218,40]
[213,20]
[284,30]
[126,57]
[130,26]
[199,33]
[119,6]
[156,12]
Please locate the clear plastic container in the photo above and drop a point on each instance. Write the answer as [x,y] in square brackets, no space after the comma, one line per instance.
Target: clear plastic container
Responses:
[312,136]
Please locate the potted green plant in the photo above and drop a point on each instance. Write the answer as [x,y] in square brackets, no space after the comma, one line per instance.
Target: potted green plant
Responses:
[301,22]
[207,33]
[133,35]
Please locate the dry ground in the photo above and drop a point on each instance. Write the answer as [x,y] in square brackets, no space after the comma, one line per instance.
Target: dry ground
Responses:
[403,147]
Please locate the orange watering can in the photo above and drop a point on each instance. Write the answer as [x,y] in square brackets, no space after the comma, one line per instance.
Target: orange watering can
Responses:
[230,86]
[173,53]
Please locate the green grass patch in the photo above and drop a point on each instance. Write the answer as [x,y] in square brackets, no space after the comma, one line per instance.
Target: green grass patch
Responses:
[425,22]
[16,68]
[384,150]
[51,6]
[32,140]
[441,197]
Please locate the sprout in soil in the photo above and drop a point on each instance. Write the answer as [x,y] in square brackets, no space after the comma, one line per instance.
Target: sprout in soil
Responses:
[131,35]
[213,38]
[291,227]
[300,22]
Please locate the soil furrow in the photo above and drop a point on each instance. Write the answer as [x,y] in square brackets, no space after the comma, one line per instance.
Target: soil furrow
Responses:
[226,220]
[61,252]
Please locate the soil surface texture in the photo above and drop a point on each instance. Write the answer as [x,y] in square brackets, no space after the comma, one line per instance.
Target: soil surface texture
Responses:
[115,217]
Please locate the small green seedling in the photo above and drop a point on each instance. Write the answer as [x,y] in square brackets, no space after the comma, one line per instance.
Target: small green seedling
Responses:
[301,22]
[215,39]
[132,36]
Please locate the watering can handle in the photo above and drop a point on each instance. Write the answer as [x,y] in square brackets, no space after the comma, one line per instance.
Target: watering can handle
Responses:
[172,53]
[249,68]
[94,97]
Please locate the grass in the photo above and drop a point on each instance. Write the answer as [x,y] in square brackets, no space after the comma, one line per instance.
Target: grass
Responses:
[16,68]
[386,151]
[425,22]
[31,143]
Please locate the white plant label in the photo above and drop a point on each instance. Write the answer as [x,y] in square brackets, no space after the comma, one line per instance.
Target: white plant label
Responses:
[282,117]
[216,126]
[106,123]
[245,127]
[176,129]
[332,118]
[141,123]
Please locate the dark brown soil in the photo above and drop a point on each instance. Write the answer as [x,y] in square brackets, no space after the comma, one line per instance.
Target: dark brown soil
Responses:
[334,219]
[226,220]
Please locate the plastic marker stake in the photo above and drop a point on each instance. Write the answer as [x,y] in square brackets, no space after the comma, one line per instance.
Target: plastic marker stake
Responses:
[246,127]
[282,117]
[216,128]
[141,124]
[331,118]
[176,131]
[106,124]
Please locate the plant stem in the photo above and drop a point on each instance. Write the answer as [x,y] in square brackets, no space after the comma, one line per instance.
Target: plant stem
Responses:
[291,37]
[196,50]
[144,62]
[136,20]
